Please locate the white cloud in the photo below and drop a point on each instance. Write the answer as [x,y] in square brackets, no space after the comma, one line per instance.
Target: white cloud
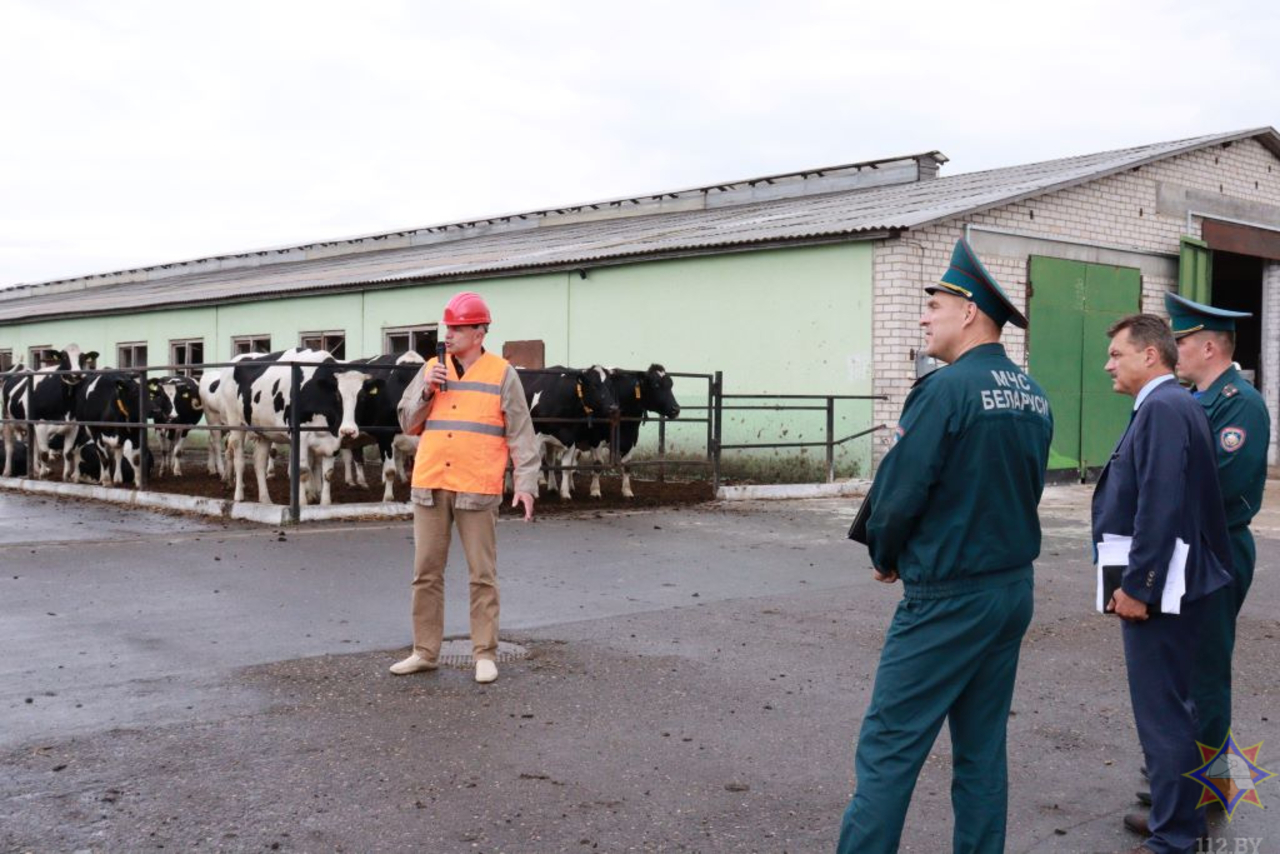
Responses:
[143,132]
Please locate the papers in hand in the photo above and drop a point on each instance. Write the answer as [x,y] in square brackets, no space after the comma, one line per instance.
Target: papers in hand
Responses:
[1113,551]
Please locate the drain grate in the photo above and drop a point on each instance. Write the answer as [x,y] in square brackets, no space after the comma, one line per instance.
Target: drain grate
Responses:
[457,653]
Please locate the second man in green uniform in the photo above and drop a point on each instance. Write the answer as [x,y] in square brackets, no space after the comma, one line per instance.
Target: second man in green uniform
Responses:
[1241,431]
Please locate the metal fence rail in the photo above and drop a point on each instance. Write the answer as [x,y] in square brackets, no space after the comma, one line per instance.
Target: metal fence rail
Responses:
[830,442]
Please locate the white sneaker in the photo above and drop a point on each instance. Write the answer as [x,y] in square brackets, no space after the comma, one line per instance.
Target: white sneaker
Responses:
[486,670]
[412,664]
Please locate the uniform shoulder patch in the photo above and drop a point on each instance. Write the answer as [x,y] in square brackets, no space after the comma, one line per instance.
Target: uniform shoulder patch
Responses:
[1232,438]
[1230,390]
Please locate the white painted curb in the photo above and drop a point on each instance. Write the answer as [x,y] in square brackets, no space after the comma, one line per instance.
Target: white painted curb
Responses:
[267,514]
[781,491]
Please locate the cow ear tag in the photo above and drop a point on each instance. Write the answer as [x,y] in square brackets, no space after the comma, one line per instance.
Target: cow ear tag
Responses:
[120,406]
[372,391]
[637,391]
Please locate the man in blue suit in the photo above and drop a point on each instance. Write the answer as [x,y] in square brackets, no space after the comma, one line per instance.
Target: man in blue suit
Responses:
[1160,492]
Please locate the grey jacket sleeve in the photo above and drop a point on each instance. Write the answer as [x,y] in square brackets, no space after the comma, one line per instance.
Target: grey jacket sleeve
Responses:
[413,408]
[522,442]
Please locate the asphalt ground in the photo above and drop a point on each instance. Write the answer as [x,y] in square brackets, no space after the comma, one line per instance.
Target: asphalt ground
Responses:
[696,681]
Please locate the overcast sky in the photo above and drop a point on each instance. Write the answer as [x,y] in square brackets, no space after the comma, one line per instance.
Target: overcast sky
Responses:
[137,133]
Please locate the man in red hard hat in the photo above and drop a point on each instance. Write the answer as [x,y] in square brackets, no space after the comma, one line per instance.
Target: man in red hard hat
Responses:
[470,411]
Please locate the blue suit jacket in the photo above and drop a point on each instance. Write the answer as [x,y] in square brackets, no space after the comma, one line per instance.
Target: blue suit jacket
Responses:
[1161,485]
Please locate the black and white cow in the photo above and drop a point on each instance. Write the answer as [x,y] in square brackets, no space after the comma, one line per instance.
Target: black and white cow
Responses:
[113,398]
[566,405]
[184,394]
[259,395]
[638,393]
[378,420]
[211,400]
[47,395]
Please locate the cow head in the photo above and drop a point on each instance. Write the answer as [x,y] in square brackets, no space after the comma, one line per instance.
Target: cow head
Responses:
[656,394]
[369,401]
[350,384]
[71,361]
[333,393]
[160,405]
[184,393]
[596,394]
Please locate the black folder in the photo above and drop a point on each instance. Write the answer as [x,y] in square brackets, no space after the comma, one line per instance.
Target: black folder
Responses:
[1111,577]
[858,530]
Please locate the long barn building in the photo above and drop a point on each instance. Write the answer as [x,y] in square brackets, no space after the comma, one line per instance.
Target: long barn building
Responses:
[801,283]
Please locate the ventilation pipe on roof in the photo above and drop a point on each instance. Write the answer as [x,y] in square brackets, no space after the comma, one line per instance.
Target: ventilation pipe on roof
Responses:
[927,165]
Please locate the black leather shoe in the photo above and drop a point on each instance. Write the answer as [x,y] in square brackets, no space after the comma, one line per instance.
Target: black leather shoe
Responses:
[1144,798]
[1137,822]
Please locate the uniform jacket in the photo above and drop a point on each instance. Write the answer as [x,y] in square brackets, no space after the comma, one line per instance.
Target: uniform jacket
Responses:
[1241,430]
[1161,485]
[521,443]
[956,496]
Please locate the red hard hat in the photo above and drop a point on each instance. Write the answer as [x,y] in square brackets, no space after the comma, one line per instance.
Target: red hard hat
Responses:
[466,309]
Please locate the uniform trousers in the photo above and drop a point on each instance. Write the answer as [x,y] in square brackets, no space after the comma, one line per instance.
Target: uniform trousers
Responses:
[1211,679]
[1156,652]
[953,658]
[477,529]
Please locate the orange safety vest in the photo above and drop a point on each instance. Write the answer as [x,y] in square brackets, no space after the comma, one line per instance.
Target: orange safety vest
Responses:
[464,441]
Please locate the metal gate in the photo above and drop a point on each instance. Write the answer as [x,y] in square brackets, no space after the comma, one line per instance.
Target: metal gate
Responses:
[1071,306]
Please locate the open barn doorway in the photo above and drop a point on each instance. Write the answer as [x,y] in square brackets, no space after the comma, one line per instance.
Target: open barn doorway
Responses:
[1237,285]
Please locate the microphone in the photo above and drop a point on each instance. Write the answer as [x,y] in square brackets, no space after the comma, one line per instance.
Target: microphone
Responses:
[440,358]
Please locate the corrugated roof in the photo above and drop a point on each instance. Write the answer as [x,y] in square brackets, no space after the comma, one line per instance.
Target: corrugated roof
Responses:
[494,248]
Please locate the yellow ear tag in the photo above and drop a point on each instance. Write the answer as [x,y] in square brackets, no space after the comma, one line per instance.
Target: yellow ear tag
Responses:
[120,406]
[637,392]
[372,391]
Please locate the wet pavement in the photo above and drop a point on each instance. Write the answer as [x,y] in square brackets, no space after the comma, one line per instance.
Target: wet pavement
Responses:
[695,682]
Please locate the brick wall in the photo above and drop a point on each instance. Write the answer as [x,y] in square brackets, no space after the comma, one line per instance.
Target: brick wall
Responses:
[1119,211]
[1271,350]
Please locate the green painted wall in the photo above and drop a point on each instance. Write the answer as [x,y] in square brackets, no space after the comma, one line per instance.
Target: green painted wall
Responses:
[787,321]
[774,321]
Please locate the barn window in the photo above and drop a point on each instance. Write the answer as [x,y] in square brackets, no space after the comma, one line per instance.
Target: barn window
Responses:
[41,354]
[334,342]
[188,351]
[241,344]
[131,355]
[6,360]
[419,339]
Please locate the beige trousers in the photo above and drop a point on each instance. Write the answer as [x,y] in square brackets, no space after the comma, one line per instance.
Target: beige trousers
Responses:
[477,529]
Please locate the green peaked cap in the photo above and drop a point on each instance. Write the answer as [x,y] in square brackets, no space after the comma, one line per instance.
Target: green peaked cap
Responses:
[1187,316]
[967,278]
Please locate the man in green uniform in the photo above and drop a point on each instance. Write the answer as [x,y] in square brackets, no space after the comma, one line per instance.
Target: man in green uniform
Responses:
[953,514]
[1241,430]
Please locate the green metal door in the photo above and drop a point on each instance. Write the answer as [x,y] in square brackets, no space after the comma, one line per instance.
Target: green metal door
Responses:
[1071,306]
